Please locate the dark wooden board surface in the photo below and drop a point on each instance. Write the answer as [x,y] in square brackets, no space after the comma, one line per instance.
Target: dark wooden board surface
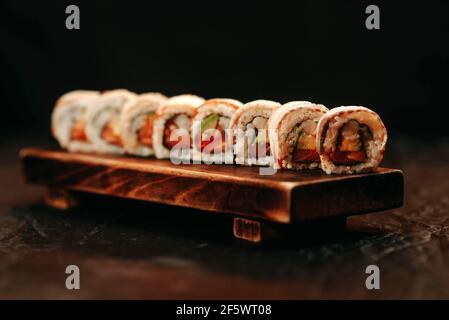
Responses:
[284,197]
[129,251]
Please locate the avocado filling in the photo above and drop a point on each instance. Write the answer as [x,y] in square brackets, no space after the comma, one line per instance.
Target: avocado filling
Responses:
[213,132]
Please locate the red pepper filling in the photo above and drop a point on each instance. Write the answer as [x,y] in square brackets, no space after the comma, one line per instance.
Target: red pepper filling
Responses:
[347,157]
[78,132]
[304,150]
[110,136]
[215,144]
[145,134]
[350,147]
[170,126]
[305,156]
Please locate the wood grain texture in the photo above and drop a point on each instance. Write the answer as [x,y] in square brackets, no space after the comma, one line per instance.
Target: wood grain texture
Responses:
[284,197]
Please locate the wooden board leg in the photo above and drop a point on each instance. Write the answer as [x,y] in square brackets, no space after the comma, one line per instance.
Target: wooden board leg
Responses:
[252,230]
[248,230]
[60,199]
[304,231]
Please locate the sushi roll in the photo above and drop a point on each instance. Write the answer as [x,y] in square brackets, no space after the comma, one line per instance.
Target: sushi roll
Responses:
[103,121]
[293,135]
[211,130]
[136,123]
[351,140]
[249,126]
[68,120]
[172,127]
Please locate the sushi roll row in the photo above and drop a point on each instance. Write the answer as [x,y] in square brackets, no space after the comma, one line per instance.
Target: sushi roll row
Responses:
[298,135]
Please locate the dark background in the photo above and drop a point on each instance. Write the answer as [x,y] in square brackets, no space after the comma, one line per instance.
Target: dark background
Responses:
[313,50]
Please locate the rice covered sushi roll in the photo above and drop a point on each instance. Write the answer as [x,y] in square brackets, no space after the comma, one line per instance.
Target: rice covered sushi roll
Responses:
[249,126]
[68,120]
[351,140]
[210,130]
[103,121]
[172,126]
[293,130]
[136,123]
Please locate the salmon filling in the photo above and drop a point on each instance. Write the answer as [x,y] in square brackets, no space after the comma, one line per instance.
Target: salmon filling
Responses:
[78,132]
[111,134]
[180,121]
[145,133]
[350,148]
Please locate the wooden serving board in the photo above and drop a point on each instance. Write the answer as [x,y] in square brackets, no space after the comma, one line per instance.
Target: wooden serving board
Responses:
[256,201]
